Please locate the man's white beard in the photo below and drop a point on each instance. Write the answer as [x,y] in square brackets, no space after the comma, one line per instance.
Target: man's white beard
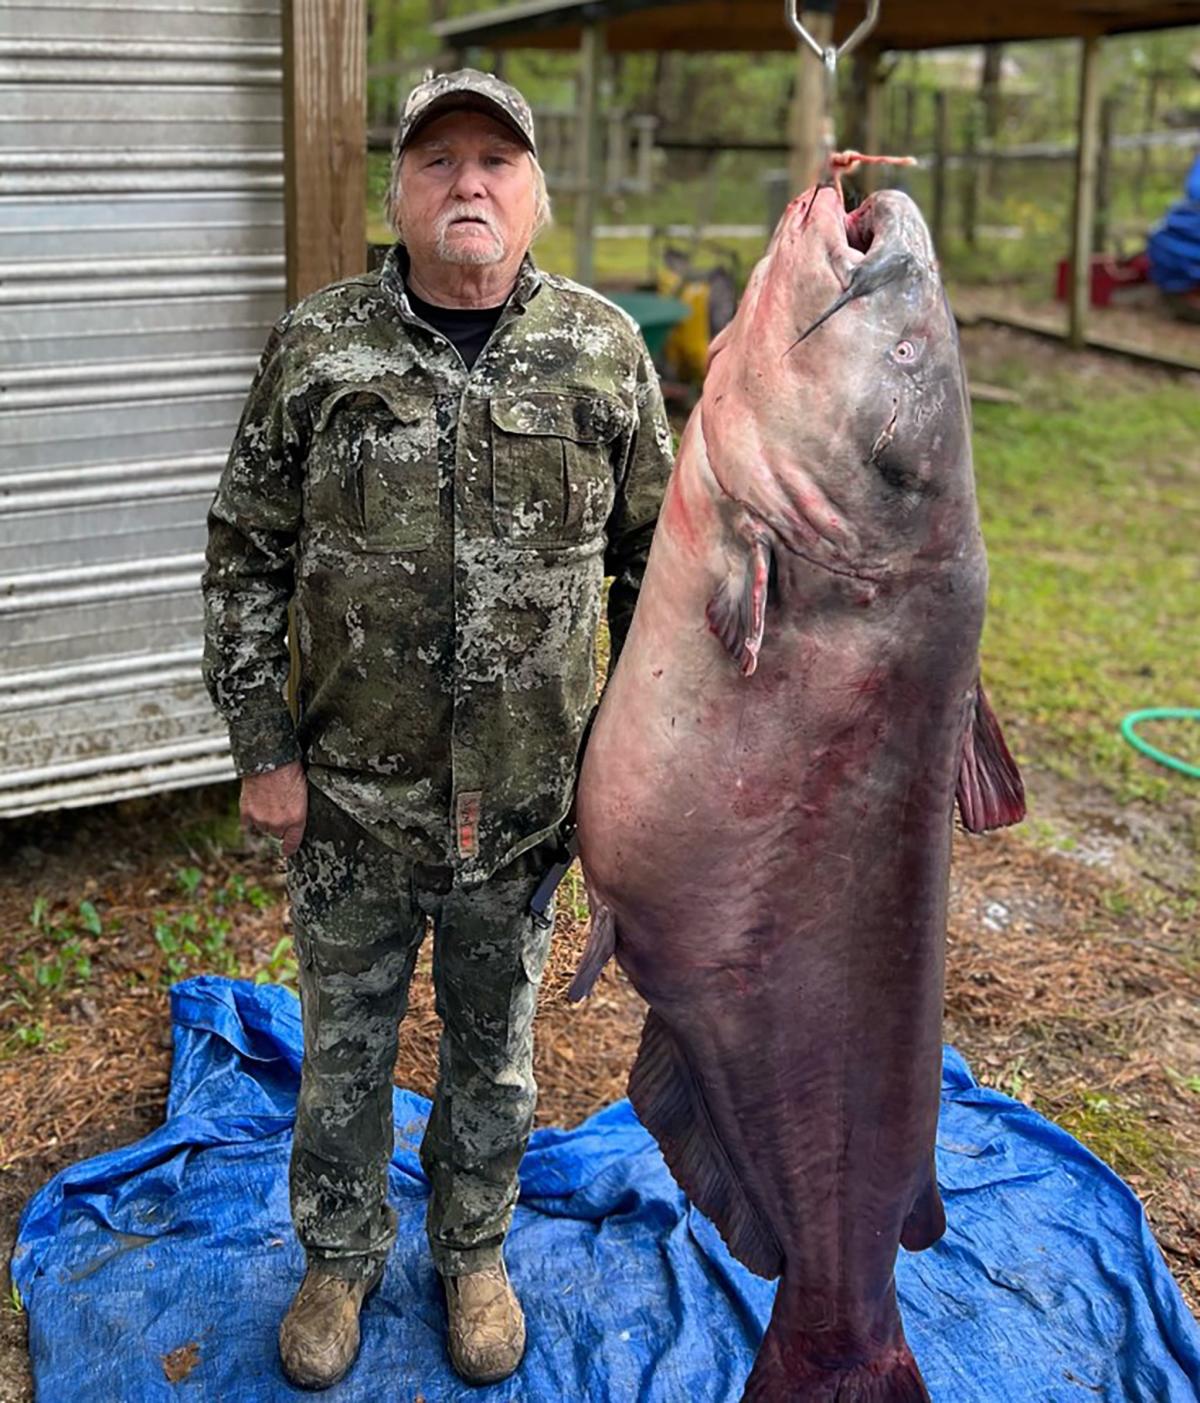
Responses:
[476,254]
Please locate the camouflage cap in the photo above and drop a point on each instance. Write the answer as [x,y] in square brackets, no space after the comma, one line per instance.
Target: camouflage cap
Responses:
[465,88]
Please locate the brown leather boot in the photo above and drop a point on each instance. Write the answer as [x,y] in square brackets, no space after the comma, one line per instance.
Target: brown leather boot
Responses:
[486,1329]
[318,1339]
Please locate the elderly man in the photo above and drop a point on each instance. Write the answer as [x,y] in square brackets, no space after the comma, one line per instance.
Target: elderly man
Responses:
[439,462]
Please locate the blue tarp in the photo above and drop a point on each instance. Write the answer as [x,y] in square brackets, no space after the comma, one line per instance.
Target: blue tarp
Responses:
[1047,1287]
[1174,243]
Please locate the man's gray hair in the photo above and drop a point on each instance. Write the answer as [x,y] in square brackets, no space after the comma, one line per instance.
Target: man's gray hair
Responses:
[543,215]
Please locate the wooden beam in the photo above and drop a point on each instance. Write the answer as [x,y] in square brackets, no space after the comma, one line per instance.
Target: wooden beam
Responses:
[589,154]
[324,120]
[1084,209]
[727,25]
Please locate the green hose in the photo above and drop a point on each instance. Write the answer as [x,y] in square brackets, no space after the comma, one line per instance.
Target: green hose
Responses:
[1161,713]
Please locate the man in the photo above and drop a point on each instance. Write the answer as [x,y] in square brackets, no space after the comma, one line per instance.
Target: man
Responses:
[440,461]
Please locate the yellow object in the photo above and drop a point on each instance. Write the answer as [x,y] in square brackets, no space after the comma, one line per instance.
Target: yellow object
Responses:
[686,348]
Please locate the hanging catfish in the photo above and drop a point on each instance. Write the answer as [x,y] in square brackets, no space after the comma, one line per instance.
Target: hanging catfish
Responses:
[766,802]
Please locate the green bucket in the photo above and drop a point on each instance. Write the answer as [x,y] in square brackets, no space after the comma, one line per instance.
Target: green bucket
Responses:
[656,316]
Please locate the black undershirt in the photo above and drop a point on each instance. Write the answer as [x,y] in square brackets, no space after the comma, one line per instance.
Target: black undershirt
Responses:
[467,328]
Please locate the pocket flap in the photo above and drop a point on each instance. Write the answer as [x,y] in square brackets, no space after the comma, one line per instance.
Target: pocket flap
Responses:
[581,418]
[406,406]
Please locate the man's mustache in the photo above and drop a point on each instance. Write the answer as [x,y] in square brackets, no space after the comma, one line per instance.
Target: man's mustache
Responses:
[463,210]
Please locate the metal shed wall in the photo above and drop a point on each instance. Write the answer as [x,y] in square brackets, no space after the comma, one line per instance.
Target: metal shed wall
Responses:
[141,265]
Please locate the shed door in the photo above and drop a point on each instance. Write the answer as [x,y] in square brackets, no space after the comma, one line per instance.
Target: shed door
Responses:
[141,266]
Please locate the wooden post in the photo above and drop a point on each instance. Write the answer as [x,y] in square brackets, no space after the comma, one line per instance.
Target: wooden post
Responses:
[1083,215]
[869,81]
[808,104]
[1153,78]
[989,92]
[908,138]
[325,141]
[970,178]
[941,142]
[1108,124]
[589,151]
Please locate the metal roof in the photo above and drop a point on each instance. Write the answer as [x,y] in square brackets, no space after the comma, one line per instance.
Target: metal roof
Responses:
[723,25]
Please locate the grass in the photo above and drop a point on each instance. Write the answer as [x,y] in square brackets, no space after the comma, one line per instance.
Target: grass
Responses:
[1116,1133]
[1086,494]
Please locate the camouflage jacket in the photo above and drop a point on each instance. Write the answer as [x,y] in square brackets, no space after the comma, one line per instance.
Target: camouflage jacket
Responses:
[445,535]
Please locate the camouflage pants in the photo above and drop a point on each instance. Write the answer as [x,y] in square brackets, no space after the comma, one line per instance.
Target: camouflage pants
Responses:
[359,914]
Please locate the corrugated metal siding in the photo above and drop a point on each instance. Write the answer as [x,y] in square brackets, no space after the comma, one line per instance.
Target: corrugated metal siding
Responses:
[141,264]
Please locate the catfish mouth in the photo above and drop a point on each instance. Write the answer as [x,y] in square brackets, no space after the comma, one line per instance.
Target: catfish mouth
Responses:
[874,257]
[860,228]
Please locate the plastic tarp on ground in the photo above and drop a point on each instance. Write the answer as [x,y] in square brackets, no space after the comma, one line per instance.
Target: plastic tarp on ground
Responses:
[1174,243]
[175,1259]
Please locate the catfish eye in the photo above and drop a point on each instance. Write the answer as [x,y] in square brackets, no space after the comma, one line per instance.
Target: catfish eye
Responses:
[905,352]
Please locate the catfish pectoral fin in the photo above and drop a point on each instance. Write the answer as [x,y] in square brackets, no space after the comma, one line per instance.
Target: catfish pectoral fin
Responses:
[670,1104]
[601,943]
[737,612]
[990,791]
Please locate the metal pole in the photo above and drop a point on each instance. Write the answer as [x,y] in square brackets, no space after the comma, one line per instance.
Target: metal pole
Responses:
[589,153]
[1084,213]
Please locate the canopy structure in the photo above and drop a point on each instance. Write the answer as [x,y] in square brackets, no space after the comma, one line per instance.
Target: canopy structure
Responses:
[697,26]
[719,26]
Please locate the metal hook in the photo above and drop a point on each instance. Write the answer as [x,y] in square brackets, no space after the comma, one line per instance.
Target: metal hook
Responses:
[829,56]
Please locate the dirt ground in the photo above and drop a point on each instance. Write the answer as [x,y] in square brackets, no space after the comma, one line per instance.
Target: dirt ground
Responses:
[1073,983]
[1138,317]
[1062,990]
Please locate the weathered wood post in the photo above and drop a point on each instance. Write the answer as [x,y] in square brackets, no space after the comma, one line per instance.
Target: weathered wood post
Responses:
[1108,126]
[325,141]
[806,126]
[989,91]
[589,151]
[869,78]
[941,144]
[1084,211]
[908,137]
[970,177]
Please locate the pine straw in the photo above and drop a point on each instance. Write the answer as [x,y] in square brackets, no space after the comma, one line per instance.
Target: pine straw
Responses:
[1074,1003]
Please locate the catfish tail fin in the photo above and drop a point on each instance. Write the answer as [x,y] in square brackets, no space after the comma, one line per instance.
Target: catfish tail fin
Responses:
[860,1364]
[891,1377]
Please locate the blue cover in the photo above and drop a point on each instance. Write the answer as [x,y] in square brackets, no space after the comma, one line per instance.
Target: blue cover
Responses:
[1047,1288]
[1174,243]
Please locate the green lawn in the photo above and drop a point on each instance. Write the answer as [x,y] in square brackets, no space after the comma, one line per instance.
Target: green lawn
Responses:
[1088,494]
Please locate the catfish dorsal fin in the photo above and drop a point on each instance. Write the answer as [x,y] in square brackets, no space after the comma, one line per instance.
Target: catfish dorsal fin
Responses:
[737,611]
[990,792]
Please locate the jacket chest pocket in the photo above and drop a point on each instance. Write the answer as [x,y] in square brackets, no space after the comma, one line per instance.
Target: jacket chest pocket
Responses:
[552,465]
[372,467]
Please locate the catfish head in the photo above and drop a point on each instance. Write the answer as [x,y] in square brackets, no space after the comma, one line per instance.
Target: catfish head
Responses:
[836,408]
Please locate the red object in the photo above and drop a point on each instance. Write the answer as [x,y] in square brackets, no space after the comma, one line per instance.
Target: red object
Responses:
[1108,274]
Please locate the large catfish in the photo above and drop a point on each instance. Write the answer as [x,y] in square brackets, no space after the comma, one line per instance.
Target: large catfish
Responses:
[766,802]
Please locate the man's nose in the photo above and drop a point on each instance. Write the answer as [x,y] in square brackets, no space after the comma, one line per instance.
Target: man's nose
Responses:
[469,182]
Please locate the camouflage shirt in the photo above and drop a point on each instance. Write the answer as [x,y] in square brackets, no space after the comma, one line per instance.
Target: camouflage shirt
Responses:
[445,534]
